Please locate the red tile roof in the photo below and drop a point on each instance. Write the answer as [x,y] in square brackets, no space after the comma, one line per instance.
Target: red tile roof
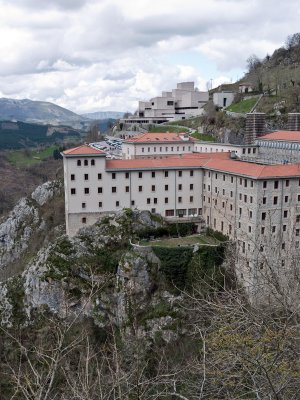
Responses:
[288,136]
[211,161]
[158,137]
[254,170]
[83,150]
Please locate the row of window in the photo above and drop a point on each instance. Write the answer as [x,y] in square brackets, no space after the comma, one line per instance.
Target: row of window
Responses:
[140,189]
[140,175]
[166,149]
[85,162]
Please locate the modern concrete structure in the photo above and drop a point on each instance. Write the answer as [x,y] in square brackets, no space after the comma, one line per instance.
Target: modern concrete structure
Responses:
[180,103]
[223,99]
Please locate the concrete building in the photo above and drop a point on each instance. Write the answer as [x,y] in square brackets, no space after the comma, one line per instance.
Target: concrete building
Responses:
[180,103]
[223,99]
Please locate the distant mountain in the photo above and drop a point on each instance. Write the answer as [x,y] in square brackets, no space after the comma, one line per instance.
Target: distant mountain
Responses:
[38,112]
[104,115]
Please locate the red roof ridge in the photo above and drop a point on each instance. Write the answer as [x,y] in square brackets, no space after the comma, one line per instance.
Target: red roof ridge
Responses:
[84,149]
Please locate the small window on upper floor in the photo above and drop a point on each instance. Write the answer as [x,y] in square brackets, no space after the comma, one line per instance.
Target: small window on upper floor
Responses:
[78,163]
[86,162]
[140,174]
[99,176]
[73,191]
[86,177]
[93,162]
[72,177]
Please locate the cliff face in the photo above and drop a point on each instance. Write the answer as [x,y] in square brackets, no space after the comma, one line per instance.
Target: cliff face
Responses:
[25,221]
[97,274]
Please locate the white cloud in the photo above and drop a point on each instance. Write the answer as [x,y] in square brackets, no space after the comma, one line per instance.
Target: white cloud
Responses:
[92,54]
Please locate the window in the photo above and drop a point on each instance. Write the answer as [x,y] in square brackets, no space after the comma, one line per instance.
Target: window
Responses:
[231,179]
[148,149]
[285,214]
[117,203]
[166,187]
[273,229]
[180,173]
[251,184]
[250,214]
[154,149]
[241,181]
[191,199]
[78,163]
[222,226]
[245,183]
[166,174]
[263,216]
[140,188]
[179,186]
[230,207]
[191,186]
[100,204]
[72,177]
[240,211]
[298,218]
[179,199]
[265,184]
[153,174]
[286,199]
[284,228]
[262,230]
[275,184]
[249,229]
[126,189]
[223,191]
[132,202]
[86,162]
[83,205]
[216,189]
[216,176]
[73,191]
[231,194]
[93,162]
[245,198]
[99,189]
[86,190]
[251,199]
[287,183]
[153,210]
[283,246]
[86,177]
[191,173]
[275,200]
[264,200]
[166,149]
[155,200]
[99,176]
[240,196]
[224,177]
[297,232]
[113,175]
[148,200]
[153,188]
[140,174]
[83,220]
[114,189]
[208,188]
[298,197]
[166,200]
[126,175]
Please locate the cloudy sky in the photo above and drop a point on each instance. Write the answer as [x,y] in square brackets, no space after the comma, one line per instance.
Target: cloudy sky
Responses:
[92,55]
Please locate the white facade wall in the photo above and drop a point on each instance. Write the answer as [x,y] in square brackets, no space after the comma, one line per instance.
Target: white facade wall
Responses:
[146,150]
[218,99]
[208,147]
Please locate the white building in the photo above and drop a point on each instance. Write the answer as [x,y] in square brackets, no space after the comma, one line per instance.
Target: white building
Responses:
[157,145]
[180,103]
[256,205]
[223,99]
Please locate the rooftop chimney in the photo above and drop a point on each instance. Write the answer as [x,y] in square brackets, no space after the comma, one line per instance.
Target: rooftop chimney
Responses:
[255,126]
[294,121]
